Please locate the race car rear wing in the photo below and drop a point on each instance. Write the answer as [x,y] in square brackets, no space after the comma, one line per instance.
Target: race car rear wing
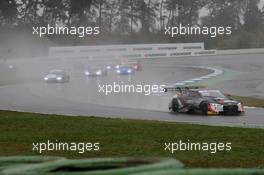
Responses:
[180,88]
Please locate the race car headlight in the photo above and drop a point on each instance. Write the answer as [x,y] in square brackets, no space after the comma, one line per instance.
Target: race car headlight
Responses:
[129,71]
[240,107]
[59,78]
[45,78]
[215,107]
[99,72]
[87,73]
[118,71]
[108,67]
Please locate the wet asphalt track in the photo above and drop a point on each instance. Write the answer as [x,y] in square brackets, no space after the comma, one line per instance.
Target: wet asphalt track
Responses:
[81,96]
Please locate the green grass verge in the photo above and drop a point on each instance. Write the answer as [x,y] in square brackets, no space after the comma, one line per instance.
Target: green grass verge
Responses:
[121,137]
[250,101]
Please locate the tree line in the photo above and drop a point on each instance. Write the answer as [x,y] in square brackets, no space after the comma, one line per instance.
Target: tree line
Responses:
[135,17]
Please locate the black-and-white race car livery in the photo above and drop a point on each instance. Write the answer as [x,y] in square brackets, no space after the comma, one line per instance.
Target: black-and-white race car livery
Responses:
[205,102]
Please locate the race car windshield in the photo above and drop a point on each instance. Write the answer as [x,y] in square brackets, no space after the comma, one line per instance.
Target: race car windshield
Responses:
[95,68]
[56,72]
[216,94]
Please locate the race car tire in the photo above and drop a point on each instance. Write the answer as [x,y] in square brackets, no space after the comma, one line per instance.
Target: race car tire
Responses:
[175,105]
[204,108]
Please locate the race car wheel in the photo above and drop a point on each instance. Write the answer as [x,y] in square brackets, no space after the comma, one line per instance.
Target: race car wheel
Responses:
[204,108]
[174,105]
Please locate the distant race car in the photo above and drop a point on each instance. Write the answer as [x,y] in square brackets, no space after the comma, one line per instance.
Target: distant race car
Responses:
[136,66]
[205,102]
[117,66]
[124,70]
[133,64]
[95,71]
[109,67]
[8,73]
[57,76]
[5,67]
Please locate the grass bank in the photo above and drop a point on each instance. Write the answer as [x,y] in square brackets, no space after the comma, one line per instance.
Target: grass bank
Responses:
[120,137]
[250,101]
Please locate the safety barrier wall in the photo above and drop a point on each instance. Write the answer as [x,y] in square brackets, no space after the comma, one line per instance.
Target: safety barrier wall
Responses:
[240,51]
[132,51]
[205,52]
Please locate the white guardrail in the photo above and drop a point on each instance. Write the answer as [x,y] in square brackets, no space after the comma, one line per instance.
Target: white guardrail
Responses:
[240,51]
[131,51]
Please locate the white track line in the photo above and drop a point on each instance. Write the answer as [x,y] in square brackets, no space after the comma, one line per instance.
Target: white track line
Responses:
[249,107]
[216,72]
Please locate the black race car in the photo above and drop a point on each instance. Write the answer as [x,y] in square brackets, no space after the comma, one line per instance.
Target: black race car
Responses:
[57,76]
[202,101]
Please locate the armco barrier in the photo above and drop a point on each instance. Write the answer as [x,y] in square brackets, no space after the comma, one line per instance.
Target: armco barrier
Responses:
[141,51]
[205,52]
[128,51]
[240,51]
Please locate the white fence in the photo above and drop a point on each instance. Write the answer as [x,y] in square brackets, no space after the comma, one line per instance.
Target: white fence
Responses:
[132,51]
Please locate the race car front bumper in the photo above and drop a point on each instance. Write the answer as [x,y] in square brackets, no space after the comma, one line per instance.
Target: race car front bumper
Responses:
[215,109]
